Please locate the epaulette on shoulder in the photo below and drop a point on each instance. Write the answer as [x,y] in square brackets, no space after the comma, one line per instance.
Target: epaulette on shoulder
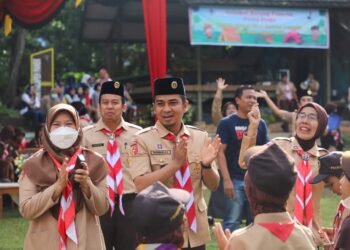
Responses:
[193,127]
[282,138]
[88,127]
[133,125]
[142,131]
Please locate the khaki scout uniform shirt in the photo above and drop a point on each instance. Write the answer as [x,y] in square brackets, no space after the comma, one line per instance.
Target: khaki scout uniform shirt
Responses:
[42,234]
[344,215]
[256,237]
[153,152]
[290,145]
[346,212]
[94,139]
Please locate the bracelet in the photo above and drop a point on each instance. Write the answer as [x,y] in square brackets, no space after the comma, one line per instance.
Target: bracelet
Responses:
[205,166]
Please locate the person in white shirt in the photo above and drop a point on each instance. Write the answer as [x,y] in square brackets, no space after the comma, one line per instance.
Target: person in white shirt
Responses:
[30,106]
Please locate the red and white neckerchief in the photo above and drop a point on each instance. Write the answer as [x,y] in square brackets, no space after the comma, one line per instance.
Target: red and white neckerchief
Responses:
[66,215]
[337,219]
[280,230]
[183,180]
[303,211]
[115,176]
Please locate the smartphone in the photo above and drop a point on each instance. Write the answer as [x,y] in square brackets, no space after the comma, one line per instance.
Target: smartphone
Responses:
[78,165]
[80,159]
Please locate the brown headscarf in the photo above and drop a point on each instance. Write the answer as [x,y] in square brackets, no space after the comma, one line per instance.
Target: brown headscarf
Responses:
[322,125]
[40,168]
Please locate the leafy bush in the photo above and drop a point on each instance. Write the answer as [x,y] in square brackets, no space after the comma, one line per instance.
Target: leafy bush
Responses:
[267,115]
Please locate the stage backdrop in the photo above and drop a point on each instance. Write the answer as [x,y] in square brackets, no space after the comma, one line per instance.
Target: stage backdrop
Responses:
[259,27]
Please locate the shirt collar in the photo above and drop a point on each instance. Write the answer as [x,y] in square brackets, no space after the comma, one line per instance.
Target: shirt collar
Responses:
[163,131]
[282,217]
[296,146]
[346,202]
[100,125]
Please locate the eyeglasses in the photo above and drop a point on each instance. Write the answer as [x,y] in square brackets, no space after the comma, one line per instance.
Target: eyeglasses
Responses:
[309,117]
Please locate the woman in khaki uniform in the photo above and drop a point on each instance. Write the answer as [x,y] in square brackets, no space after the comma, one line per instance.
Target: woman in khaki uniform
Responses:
[268,167]
[53,177]
[311,122]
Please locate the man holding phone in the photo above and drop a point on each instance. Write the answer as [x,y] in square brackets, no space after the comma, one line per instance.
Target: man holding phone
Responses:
[111,136]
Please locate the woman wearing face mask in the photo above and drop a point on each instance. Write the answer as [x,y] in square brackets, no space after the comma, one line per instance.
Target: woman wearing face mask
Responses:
[304,200]
[63,188]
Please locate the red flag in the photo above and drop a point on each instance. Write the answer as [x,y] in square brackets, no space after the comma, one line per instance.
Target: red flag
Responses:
[154,12]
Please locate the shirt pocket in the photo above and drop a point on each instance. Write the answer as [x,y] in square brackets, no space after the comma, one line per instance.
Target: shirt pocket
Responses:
[159,161]
[124,154]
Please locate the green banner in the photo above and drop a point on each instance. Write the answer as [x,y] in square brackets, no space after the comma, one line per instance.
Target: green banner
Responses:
[259,27]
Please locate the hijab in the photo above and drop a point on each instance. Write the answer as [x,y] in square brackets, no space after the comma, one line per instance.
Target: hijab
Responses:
[40,168]
[322,125]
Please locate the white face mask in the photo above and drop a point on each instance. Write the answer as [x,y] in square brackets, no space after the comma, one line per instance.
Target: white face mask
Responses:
[64,137]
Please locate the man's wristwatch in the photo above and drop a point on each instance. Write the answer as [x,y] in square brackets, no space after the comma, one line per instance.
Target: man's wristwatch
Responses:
[205,166]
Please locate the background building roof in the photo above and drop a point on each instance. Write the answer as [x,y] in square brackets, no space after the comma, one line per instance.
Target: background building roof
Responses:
[122,20]
[277,3]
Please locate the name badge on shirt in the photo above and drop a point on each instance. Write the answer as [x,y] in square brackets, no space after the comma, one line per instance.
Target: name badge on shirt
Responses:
[160,152]
[97,145]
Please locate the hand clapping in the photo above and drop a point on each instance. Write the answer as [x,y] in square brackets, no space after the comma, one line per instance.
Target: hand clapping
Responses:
[210,150]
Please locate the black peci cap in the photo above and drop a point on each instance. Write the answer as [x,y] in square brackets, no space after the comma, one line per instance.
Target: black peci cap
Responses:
[112,87]
[169,86]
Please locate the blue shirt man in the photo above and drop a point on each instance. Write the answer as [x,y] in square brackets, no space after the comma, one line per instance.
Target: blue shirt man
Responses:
[231,130]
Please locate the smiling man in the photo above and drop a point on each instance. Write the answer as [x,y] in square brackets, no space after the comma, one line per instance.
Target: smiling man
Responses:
[232,129]
[178,155]
[111,136]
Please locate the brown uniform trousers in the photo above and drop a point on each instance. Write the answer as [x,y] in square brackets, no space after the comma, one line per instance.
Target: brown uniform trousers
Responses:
[153,152]
[118,230]
[256,237]
[290,145]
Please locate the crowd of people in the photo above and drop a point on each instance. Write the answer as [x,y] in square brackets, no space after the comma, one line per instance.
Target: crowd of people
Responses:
[113,185]
[85,95]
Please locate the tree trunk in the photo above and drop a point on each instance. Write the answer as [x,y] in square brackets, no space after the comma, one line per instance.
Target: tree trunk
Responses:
[18,54]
